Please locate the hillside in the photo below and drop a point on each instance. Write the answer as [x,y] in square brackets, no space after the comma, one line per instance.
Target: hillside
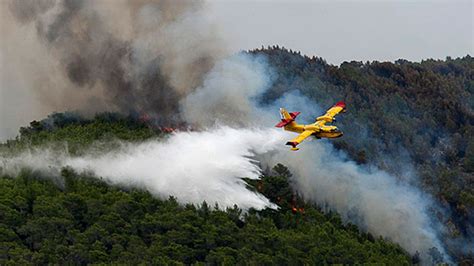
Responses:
[411,119]
[77,218]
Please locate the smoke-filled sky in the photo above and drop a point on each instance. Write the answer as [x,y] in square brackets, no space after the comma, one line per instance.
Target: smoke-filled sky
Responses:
[334,30]
[352,29]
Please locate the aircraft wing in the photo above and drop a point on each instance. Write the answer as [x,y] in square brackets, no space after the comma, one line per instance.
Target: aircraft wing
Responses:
[332,112]
[294,142]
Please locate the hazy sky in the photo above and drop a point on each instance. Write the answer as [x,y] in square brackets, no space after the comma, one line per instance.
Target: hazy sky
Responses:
[351,30]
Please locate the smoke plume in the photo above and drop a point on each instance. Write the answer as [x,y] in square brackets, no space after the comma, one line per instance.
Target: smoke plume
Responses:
[228,94]
[127,56]
[373,199]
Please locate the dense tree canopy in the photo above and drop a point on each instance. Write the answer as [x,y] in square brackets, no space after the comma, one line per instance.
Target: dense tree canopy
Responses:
[80,219]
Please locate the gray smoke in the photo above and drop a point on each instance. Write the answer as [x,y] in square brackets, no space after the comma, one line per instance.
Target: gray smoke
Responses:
[127,56]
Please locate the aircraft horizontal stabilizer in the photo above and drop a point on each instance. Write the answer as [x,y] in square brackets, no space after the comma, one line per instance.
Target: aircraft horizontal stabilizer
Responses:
[286,120]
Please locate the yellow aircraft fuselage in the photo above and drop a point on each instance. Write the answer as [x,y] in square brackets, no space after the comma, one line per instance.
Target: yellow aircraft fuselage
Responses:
[318,129]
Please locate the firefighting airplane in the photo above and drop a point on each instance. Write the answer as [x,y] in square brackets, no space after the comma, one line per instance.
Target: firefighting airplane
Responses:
[319,129]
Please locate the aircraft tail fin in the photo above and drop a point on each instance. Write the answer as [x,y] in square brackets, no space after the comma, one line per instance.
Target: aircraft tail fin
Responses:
[286,117]
[284,114]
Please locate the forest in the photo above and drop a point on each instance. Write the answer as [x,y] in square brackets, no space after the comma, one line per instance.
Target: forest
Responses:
[402,115]
[80,219]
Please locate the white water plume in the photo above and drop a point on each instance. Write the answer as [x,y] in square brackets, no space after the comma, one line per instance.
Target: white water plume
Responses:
[192,166]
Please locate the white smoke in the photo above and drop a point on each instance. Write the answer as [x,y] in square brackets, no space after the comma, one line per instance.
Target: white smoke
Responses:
[192,166]
[228,93]
[373,199]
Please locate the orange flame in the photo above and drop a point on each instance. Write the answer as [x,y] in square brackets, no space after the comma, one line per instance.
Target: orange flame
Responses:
[294,209]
